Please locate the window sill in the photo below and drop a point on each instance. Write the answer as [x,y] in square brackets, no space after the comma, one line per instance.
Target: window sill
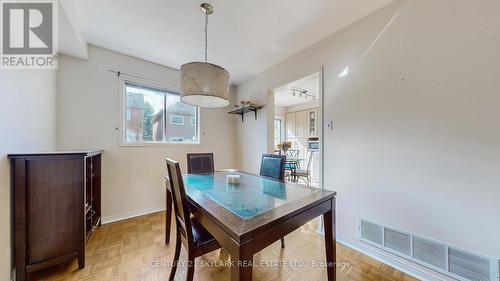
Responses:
[154,144]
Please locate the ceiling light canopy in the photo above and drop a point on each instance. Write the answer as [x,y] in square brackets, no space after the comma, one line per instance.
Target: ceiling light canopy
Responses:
[204,84]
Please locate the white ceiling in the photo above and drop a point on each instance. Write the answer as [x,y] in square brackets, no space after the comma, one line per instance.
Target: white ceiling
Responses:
[245,37]
[283,95]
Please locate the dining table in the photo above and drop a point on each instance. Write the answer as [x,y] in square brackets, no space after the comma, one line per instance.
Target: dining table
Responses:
[253,212]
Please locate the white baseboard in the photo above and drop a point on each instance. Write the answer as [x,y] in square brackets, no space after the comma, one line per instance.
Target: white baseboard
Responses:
[409,268]
[119,217]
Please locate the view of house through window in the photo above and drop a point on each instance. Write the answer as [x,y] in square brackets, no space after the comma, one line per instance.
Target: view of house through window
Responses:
[158,116]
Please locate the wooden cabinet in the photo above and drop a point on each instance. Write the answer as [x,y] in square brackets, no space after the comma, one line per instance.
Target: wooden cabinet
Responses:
[312,122]
[301,124]
[56,204]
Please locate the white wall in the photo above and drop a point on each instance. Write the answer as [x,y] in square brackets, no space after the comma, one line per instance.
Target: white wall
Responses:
[88,106]
[416,140]
[279,111]
[27,123]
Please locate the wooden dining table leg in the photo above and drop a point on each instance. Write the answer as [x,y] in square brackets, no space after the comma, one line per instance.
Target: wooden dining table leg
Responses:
[241,269]
[330,243]
[168,216]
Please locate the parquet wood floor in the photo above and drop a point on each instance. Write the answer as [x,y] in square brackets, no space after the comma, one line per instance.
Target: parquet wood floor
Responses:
[134,250]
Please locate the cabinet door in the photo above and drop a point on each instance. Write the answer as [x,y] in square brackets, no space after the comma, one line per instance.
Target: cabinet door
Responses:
[55,207]
[312,122]
[290,126]
[301,124]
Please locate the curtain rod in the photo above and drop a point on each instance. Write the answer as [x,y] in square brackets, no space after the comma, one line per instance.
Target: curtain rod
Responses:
[119,73]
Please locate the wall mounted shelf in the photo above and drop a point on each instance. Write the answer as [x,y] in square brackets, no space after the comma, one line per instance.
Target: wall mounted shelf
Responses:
[245,109]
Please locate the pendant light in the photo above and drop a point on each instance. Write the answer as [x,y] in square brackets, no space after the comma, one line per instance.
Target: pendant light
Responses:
[204,84]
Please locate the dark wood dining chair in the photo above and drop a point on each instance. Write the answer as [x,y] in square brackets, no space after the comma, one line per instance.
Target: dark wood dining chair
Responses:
[190,233]
[200,163]
[273,166]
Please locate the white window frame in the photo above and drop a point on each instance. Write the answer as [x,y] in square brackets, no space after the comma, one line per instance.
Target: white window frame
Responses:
[172,118]
[282,131]
[172,139]
[122,114]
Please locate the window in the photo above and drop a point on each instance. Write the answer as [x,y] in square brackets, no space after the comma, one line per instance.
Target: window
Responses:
[193,121]
[177,120]
[147,110]
[278,131]
[130,134]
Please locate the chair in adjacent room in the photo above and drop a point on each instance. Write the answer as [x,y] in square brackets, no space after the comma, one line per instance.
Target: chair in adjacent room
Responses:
[190,233]
[273,166]
[305,175]
[292,163]
[198,163]
[292,153]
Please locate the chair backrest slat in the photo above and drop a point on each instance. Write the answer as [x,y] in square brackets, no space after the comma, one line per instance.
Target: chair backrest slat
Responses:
[309,160]
[292,153]
[200,163]
[181,207]
[273,166]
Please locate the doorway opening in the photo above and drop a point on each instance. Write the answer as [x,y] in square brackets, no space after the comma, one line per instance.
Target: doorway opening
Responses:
[296,124]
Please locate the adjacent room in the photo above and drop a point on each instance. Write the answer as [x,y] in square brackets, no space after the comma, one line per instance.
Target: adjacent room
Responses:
[250,140]
[296,132]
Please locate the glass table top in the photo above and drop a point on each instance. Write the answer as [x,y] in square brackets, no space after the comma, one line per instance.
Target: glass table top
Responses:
[254,195]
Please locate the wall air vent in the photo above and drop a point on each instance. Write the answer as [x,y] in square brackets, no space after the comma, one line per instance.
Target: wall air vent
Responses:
[372,232]
[469,266]
[398,241]
[444,258]
[430,252]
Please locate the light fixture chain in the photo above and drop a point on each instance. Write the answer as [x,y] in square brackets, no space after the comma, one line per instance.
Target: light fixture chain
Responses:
[206,37]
